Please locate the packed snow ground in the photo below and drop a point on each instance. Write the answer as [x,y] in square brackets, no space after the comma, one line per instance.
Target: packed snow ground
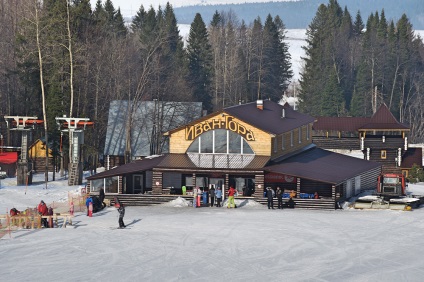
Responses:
[176,242]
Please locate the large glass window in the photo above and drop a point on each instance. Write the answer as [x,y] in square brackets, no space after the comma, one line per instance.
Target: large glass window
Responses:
[194,147]
[96,185]
[206,142]
[220,141]
[234,143]
[246,148]
[110,185]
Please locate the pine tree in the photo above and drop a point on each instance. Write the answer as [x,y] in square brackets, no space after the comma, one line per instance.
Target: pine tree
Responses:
[200,63]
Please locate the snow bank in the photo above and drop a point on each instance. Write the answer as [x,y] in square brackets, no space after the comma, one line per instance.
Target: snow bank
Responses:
[177,203]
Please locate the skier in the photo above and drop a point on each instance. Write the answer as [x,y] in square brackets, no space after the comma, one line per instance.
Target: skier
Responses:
[121,211]
[231,193]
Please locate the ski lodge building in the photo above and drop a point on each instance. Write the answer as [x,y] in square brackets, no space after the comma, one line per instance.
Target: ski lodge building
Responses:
[250,147]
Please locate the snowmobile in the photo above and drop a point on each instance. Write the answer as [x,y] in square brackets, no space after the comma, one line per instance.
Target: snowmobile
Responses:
[391,194]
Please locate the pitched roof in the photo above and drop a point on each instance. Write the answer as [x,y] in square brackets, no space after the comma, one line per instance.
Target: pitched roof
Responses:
[8,157]
[412,156]
[273,118]
[135,166]
[349,124]
[382,119]
[170,161]
[322,165]
[146,114]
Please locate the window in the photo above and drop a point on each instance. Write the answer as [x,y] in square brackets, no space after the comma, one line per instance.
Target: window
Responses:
[307,132]
[291,138]
[300,134]
[383,154]
[282,141]
[275,144]
[220,141]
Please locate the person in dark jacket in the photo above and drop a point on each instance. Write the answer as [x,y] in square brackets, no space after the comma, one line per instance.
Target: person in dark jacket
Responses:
[102,197]
[212,195]
[270,197]
[121,211]
[279,194]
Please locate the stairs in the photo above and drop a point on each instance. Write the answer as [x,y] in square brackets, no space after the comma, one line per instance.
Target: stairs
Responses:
[311,204]
[145,200]
[152,200]
[73,174]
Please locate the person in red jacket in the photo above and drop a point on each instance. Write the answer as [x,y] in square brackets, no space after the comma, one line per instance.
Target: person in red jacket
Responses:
[42,210]
[231,193]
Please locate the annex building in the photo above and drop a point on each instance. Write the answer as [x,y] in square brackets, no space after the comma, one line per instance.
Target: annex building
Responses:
[249,146]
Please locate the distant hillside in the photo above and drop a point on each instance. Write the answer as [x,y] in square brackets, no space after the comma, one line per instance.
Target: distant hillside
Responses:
[299,14]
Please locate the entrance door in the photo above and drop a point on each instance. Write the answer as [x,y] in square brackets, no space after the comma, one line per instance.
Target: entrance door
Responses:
[138,184]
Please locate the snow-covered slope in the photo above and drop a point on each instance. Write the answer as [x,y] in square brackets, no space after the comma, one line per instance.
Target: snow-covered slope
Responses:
[175,242]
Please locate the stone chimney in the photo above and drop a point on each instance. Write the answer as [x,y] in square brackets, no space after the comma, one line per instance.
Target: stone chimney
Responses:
[260,104]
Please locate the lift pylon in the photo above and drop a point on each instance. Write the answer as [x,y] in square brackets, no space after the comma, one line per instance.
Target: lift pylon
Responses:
[24,124]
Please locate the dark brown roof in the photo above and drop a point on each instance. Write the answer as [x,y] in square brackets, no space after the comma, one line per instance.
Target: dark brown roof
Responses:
[170,161]
[270,118]
[349,124]
[135,166]
[182,161]
[412,156]
[382,119]
[322,165]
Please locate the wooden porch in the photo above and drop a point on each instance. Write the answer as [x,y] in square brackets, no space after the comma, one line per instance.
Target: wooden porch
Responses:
[151,200]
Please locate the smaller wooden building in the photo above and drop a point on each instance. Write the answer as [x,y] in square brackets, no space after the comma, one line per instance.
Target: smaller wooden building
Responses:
[381,138]
[8,162]
[37,155]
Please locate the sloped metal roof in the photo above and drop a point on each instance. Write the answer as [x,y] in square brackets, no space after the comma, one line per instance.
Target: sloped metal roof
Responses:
[322,165]
[382,119]
[183,161]
[412,156]
[170,161]
[273,118]
[147,114]
[349,124]
[135,166]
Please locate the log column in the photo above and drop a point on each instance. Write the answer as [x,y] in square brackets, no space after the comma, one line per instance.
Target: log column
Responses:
[259,186]
[157,183]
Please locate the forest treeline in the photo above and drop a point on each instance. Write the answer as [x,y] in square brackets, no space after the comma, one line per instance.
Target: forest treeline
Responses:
[298,14]
[352,67]
[64,57]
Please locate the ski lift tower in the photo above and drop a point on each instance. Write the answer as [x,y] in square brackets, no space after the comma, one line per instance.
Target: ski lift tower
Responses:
[24,124]
[75,127]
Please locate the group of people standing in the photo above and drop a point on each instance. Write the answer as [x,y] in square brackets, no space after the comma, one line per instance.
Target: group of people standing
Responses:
[271,194]
[214,195]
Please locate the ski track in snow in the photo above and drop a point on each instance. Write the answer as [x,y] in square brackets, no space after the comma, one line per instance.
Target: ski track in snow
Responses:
[174,244]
